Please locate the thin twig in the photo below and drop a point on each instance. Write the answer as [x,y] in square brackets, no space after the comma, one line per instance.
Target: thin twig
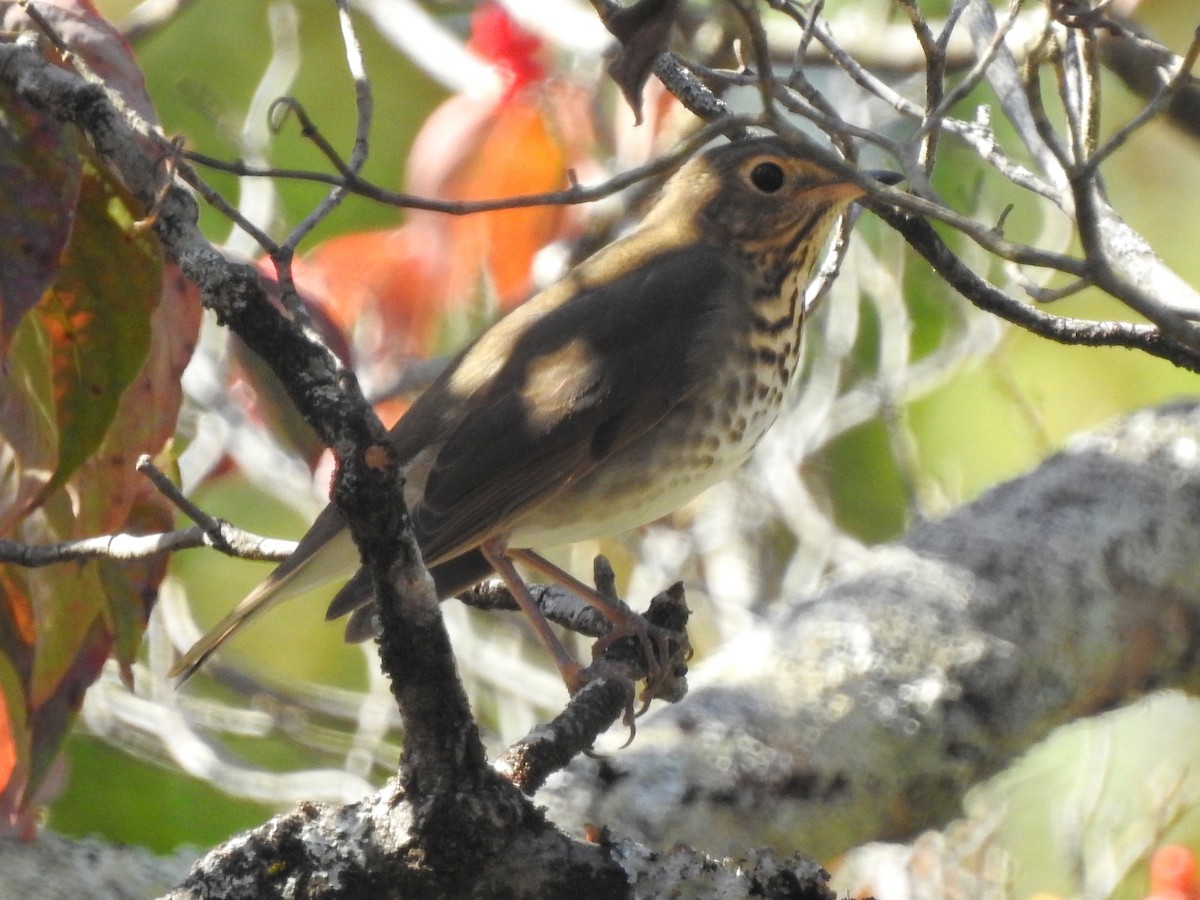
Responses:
[1050,295]
[130,547]
[572,195]
[1061,329]
[1157,104]
[971,133]
[976,74]
[823,112]
[1031,81]
[861,76]
[217,201]
[935,82]
[208,532]
[364,107]
[1074,89]
[1005,80]
[748,11]
[283,108]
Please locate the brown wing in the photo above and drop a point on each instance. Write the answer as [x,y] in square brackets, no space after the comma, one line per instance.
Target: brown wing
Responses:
[581,381]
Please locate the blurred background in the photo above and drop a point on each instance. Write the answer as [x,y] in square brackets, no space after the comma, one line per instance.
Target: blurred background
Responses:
[917,403]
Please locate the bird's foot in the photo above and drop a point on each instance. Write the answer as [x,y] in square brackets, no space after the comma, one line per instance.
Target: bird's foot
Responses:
[656,645]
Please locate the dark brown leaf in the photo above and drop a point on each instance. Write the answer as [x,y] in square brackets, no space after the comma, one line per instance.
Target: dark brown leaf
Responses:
[642,30]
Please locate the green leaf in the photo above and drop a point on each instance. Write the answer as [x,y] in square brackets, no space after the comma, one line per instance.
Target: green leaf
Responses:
[28,431]
[98,318]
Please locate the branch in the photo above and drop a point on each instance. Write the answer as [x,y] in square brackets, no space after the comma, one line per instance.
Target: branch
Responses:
[363,850]
[208,532]
[128,547]
[927,665]
[364,108]
[570,196]
[442,747]
[1142,64]
[1064,330]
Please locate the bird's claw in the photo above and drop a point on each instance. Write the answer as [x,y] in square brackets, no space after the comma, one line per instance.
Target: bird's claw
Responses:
[662,653]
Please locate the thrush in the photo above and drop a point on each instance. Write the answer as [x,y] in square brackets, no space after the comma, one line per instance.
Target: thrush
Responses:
[608,400]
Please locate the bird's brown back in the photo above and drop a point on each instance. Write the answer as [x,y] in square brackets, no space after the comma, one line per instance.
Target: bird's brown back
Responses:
[647,373]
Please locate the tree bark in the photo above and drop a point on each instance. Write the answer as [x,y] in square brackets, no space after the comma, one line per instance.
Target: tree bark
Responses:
[865,712]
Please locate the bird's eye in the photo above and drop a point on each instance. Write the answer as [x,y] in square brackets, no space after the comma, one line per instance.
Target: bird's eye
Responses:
[767,177]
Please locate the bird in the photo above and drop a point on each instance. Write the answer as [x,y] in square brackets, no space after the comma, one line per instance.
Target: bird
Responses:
[608,400]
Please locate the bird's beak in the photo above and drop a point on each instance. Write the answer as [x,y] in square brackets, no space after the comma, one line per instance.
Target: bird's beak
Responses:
[848,190]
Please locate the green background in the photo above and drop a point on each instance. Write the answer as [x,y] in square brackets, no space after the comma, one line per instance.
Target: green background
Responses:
[985,424]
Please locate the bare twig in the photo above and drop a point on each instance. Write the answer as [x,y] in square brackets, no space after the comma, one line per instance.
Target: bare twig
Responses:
[129,547]
[1075,71]
[1159,102]
[285,107]
[935,81]
[209,532]
[1060,329]
[765,75]
[694,95]
[1004,76]
[575,194]
[364,107]
[939,109]
[591,711]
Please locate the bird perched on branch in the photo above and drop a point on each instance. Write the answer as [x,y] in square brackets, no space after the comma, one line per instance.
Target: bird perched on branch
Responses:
[608,400]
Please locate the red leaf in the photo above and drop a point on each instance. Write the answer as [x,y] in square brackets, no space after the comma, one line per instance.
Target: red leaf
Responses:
[91,380]
[1173,867]
[390,277]
[642,29]
[502,42]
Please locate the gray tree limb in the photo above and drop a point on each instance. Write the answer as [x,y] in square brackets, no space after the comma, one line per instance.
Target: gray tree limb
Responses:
[865,712]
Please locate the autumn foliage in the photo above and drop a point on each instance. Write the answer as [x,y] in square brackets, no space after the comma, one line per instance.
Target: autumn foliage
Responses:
[397,292]
[96,329]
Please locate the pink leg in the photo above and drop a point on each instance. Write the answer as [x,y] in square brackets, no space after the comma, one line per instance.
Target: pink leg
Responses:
[619,614]
[655,642]
[568,666]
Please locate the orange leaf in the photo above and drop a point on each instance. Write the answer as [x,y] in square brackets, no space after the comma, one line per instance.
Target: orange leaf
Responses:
[1173,867]
[378,274]
[520,155]
[395,289]
[14,745]
[474,148]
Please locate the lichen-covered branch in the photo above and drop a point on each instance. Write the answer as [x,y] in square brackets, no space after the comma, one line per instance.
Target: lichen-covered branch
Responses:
[869,709]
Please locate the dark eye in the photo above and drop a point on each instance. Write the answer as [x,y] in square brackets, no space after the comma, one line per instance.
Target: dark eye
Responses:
[767,177]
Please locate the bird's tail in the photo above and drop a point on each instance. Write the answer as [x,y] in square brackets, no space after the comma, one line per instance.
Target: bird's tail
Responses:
[325,553]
